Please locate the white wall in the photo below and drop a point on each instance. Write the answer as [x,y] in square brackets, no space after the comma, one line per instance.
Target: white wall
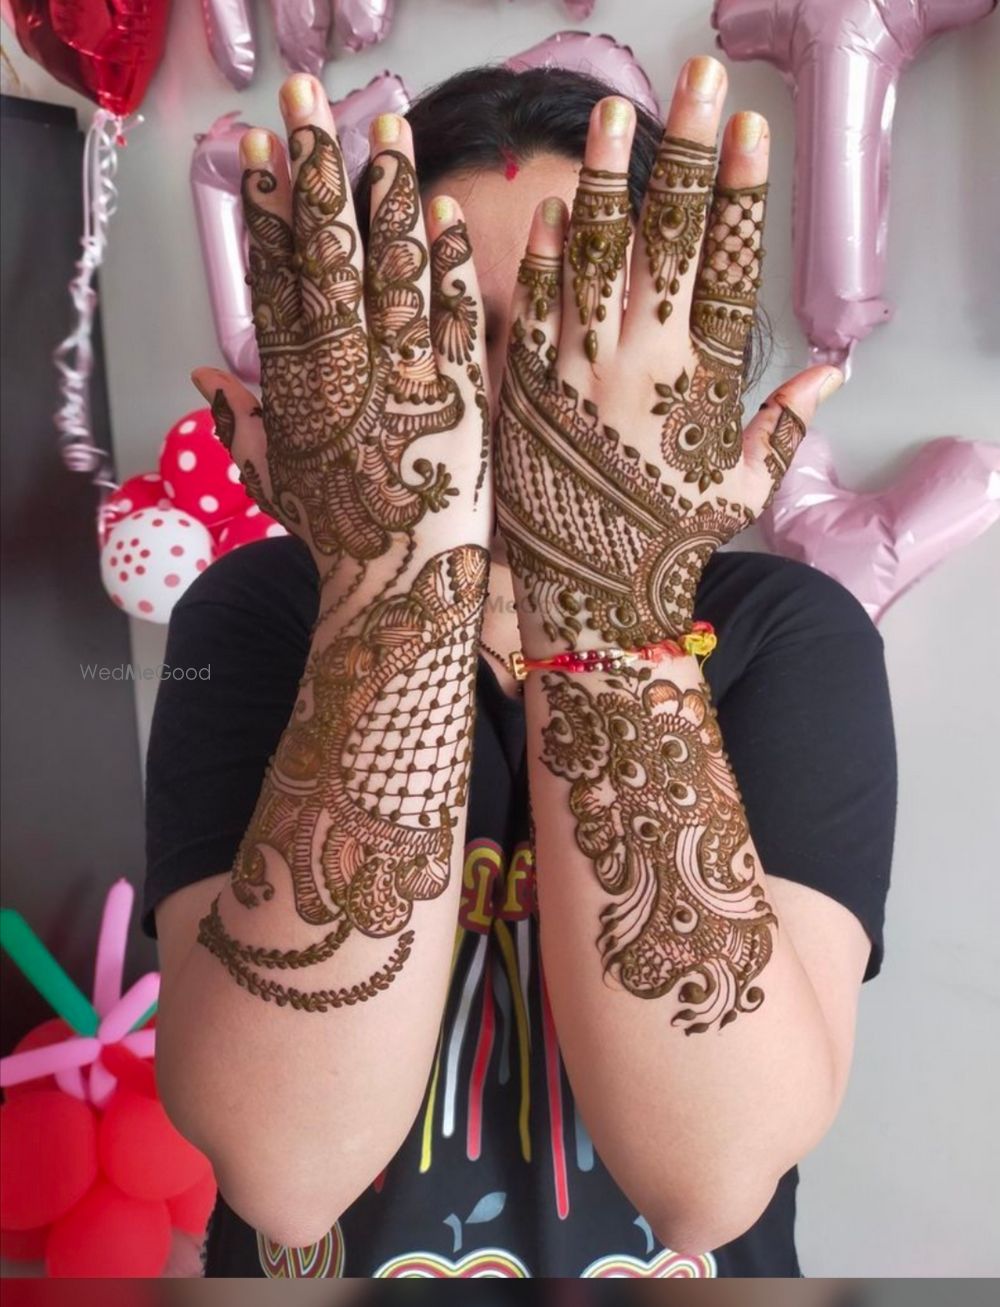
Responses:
[906,1182]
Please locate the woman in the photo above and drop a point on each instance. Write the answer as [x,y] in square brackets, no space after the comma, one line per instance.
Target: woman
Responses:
[417,1027]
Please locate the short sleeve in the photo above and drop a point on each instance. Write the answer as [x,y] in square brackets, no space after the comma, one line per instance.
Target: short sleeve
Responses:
[800,687]
[236,651]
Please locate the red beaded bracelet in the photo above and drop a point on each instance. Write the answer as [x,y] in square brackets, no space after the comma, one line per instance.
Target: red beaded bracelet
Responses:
[698,642]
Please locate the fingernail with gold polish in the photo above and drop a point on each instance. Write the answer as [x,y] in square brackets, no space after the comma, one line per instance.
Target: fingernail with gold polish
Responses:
[831,382]
[386,128]
[298,94]
[616,116]
[442,208]
[256,147]
[553,213]
[748,130]
[704,77]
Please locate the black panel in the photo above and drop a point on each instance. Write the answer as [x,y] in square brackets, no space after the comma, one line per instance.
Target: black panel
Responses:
[71,797]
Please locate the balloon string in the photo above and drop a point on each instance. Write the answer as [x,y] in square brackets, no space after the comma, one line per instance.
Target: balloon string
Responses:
[74,357]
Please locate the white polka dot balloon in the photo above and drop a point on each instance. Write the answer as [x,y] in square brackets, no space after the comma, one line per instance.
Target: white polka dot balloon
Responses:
[151,557]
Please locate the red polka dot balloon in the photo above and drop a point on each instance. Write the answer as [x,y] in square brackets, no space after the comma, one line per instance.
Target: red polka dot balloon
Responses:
[143,491]
[151,557]
[198,474]
[146,561]
[245,529]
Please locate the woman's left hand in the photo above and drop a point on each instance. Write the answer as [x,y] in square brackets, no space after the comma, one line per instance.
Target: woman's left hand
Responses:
[622,461]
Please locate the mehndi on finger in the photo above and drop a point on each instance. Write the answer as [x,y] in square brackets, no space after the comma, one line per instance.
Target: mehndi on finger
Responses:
[598,242]
[673,221]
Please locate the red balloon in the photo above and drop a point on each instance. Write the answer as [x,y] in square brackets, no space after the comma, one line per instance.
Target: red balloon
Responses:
[245,529]
[48,1157]
[106,49]
[24,1245]
[142,1152]
[198,474]
[132,1072]
[109,1235]
[53,1031]
[190,1210]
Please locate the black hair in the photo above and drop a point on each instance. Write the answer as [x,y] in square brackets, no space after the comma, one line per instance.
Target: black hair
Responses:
[492,117]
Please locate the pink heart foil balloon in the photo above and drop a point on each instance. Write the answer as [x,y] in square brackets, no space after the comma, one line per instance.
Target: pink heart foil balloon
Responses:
[599,56]
[878,544]
[842,60]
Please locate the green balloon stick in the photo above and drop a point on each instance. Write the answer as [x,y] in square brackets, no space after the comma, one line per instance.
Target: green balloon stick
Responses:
[32,957]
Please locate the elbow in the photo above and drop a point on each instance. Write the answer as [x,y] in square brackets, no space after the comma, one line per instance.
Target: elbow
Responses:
[698,1223]
[286,1217]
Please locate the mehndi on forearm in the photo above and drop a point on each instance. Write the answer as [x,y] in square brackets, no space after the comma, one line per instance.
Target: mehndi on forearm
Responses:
[608,540]
[365,797]
[659,819]
[369,782]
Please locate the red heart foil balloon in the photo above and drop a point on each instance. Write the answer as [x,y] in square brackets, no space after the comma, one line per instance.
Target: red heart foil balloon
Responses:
[106,50]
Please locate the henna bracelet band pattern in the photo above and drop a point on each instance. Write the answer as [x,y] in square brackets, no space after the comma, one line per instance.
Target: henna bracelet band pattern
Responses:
[698,642]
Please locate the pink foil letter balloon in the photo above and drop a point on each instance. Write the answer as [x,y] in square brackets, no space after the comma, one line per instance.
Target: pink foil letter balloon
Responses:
[842,59]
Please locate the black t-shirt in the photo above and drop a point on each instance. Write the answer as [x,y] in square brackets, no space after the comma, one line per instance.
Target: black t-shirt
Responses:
[498,1175]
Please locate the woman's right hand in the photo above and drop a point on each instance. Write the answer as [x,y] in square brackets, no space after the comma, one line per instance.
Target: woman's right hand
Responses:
[373,417]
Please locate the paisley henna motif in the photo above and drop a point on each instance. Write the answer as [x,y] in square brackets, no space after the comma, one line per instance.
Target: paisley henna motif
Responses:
[603,547]
[359,802]
[659,817]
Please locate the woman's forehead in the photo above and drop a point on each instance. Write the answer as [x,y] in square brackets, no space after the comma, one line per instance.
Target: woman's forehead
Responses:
[498,209]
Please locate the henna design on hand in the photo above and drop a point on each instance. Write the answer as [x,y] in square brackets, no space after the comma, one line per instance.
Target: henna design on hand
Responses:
[542,274]
[673,220]
[224,419]
[703,412]
[598,541]
[783,442]
[659,816]
[341,405]
[453,324]
[598,243]
[360,799]
[475,375]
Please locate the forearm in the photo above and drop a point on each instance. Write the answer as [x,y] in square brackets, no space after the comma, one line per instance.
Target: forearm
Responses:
[321,969]
[692,1036]
[300,1112]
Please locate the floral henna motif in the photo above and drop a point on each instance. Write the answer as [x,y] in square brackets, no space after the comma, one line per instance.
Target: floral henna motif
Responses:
[599,542]
[702,412]
[598,242]
[673,220]
[341,405]
[659,816]
[360,799]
